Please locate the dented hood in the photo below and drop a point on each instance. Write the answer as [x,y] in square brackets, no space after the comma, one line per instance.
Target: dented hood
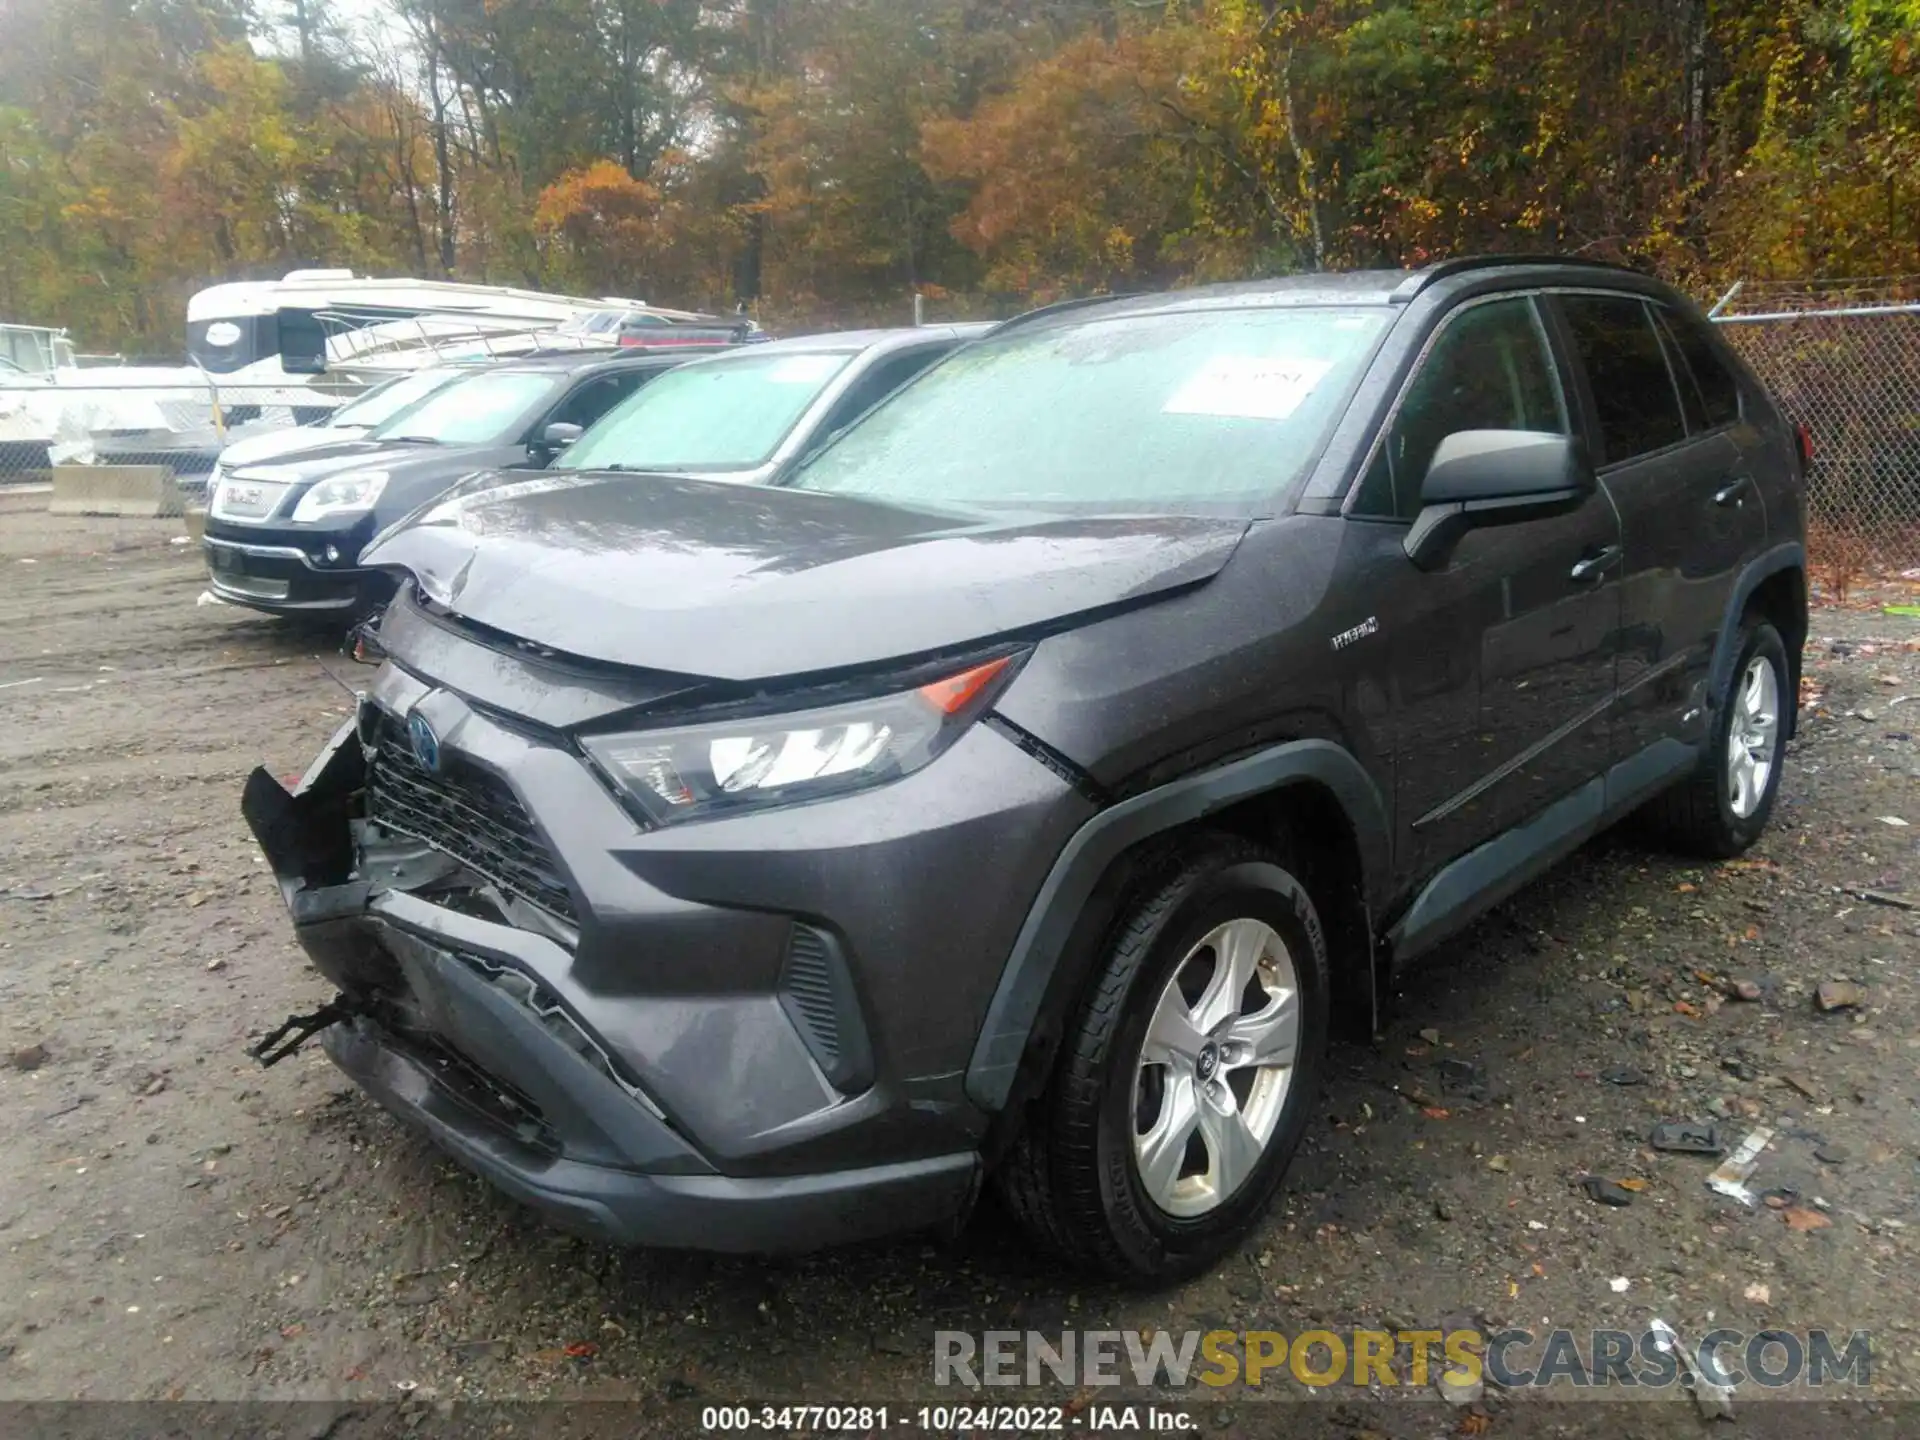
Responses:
[753,583]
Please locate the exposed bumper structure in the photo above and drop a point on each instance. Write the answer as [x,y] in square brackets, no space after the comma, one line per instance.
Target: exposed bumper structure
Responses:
[748,1034]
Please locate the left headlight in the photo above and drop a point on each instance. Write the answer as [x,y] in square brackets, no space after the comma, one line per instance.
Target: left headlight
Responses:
[347,494]
[761,761]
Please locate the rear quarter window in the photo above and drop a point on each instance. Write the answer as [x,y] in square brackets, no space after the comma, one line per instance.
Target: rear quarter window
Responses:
[1719,390]
[1636,404]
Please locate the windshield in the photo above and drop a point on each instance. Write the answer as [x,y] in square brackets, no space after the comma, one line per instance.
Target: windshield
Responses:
[726,414]
[478,409]
[385,401]
[1151,412]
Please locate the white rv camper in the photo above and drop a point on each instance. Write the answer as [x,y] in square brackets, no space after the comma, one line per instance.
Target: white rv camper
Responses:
[332,322]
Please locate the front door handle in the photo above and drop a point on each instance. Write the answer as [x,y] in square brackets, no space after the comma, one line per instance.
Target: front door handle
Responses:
[1593,566]
[1734,491]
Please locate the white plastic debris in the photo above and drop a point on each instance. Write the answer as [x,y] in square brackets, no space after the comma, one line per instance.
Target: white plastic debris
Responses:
[1715,1401]
[1621,1284]
[1457,1389]
[1730,1177]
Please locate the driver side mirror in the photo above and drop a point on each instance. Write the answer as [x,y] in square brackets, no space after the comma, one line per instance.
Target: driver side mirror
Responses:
[1494,477]
[558,436]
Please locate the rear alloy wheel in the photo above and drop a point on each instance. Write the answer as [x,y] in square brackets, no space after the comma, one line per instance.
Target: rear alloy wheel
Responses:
[1753,738]
[1721,809]
[1184,1080]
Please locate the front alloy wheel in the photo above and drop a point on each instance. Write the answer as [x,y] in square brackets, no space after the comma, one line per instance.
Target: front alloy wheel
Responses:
[1185,1075]
[1215,1067]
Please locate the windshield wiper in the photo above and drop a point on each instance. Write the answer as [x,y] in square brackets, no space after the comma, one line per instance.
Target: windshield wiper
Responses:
[411,439]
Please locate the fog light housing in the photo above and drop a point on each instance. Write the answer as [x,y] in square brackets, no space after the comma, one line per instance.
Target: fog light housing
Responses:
[333,554]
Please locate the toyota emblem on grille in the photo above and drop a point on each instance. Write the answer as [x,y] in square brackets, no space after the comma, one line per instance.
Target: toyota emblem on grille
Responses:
[426,744]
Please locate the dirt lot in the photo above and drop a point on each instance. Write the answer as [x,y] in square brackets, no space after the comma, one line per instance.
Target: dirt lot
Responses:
[177,1224]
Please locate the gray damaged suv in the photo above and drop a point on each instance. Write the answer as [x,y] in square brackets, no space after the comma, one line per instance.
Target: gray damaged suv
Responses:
[1024,788]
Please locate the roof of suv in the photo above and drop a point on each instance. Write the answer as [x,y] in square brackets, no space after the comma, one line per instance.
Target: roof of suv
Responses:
[1342,287]
[568,362]
[854,341]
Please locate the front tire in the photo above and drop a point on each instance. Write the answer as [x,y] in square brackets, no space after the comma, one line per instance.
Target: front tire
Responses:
[1722,808]
[1188,1074]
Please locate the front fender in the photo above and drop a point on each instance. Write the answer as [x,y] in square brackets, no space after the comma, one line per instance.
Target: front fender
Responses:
[1030,983]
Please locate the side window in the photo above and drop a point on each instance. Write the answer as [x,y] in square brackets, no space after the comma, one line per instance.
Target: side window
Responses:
[1634,396]
[591,401]
[1489,369]
[1719,391]
[874,386]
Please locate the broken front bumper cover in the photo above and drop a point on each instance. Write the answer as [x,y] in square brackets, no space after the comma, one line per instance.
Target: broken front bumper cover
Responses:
[449,1029]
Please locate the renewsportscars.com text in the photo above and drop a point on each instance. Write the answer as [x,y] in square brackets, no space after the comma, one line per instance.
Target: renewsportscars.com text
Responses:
[1513,1358]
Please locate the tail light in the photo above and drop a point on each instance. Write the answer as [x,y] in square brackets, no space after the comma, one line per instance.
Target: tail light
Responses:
[1803,442]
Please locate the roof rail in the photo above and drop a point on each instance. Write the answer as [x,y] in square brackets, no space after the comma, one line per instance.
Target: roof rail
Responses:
[1058,306]
[1445,269]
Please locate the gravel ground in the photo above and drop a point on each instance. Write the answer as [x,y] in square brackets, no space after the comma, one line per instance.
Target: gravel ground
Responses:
[176,1224]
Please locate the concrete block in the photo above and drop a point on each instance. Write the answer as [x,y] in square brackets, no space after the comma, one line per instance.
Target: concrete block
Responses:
[128,491]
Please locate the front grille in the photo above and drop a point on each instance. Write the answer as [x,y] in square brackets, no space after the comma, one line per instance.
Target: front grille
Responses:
[226,578]
[237,499]
[466,813]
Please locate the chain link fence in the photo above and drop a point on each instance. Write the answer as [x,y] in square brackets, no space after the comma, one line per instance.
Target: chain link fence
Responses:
[1843,359]
[104,417]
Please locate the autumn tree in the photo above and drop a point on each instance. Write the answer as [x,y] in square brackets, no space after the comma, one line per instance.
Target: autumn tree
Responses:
[824,160]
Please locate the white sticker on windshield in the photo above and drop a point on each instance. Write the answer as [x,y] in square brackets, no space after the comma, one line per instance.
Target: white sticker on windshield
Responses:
[1248,387]
[804,369]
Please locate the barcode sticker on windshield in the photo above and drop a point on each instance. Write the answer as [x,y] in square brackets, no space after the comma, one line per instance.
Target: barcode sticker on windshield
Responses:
[1248,387]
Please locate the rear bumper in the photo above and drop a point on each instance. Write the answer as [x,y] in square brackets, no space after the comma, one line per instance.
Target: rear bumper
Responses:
[285,580]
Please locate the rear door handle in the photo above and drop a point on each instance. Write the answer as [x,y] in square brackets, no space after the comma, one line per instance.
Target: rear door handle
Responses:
[1734,491]
[1593,566]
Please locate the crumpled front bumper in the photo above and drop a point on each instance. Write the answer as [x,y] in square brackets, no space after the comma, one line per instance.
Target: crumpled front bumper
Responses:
[660,1193]
[650,1077]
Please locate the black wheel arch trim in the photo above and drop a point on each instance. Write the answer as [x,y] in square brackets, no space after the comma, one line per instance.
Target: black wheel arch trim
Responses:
[1791,555]
[1028,992]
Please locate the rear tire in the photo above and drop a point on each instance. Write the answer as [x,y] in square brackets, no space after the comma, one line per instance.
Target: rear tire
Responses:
[1723,807]
[1163,1046]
